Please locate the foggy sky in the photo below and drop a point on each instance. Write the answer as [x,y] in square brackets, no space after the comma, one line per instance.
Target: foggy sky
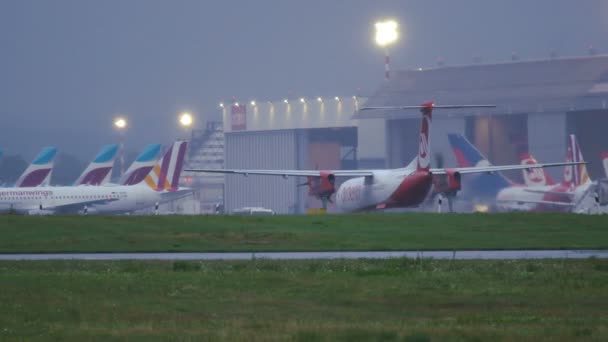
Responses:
[67,67]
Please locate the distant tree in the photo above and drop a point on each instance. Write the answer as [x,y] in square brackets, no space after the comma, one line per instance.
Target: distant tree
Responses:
[11,167]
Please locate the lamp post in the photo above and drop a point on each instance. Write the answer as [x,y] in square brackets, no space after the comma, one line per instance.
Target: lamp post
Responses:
[386,34]
[120,124]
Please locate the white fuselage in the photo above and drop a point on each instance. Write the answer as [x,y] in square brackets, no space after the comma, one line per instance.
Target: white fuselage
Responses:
[524,198]
[58,199]
[364,193]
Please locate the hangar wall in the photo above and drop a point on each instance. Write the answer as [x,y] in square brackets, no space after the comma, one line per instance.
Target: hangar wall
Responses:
[263,150]
[547,139]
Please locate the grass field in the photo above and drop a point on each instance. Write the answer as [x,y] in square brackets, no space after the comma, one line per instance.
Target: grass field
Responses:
[384,300]
[409,231]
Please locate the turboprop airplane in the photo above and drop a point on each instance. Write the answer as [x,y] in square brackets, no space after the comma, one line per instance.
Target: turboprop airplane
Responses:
[392,188]
[38,173]
[556,197]
[100,169]
[159,186]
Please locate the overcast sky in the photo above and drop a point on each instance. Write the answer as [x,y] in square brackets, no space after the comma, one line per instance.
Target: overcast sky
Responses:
[68,67]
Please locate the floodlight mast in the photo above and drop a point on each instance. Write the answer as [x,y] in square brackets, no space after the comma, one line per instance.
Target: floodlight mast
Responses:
[386,34]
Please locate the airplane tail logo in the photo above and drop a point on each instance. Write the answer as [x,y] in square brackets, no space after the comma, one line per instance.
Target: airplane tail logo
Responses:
[568,169]
[38,173]
[536,176]
[164,176]
[580,176]
[100,169]
[424,146]
[142,165]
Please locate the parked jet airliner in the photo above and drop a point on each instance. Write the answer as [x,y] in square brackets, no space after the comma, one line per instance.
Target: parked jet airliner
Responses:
[160,185]
[563,196]
[379,189]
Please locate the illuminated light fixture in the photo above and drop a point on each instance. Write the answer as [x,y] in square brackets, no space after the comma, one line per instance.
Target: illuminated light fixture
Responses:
[236,104]
[286,101]
[337,99]
[386,32]
[354,97]
[120,123]
[185,119]
[319,99]
[302,100]
[253,103]
[221,105]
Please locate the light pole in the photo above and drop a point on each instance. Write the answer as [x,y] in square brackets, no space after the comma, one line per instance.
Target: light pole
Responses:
[186,120]
[120,124]
[386,34]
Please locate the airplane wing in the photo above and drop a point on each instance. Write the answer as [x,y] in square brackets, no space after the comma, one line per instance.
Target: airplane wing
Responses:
[490,169]
[560,204]
[287,173]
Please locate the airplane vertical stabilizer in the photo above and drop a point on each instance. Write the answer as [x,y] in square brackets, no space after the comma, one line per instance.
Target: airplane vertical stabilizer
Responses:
[100,169]
[537,176]
[38,173]
[164,176]
[142,165]
[604,157]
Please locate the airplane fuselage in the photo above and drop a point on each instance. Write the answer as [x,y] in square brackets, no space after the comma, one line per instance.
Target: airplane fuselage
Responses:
[99,199]
[386,189]
[525,198]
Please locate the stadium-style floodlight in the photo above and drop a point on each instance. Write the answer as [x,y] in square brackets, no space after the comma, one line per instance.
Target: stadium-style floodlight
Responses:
[302,100]
[337,98]
[386,34]
[120,123]
[319,99]
[252,103]
[185,119]
[221,105]
[286,101]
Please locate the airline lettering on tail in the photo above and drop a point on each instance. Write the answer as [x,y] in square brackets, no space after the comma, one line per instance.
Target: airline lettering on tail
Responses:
[423,144]
[534,176]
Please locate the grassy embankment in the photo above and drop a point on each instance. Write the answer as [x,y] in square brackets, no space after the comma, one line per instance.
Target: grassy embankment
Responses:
[301,233]
[388,300]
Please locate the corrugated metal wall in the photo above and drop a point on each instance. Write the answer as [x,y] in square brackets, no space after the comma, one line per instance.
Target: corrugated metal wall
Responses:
[262,150]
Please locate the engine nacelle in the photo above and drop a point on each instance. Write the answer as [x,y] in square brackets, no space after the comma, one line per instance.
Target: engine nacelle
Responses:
[448,183]
[322,187]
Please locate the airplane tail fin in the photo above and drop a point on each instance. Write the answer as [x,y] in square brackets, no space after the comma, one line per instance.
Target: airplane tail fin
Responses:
[38,173]
[100,169]
[423,160]
[142,165]
[424,142]
[604,157]
[467,155]
[536,176]
[580,176]
[164,176]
